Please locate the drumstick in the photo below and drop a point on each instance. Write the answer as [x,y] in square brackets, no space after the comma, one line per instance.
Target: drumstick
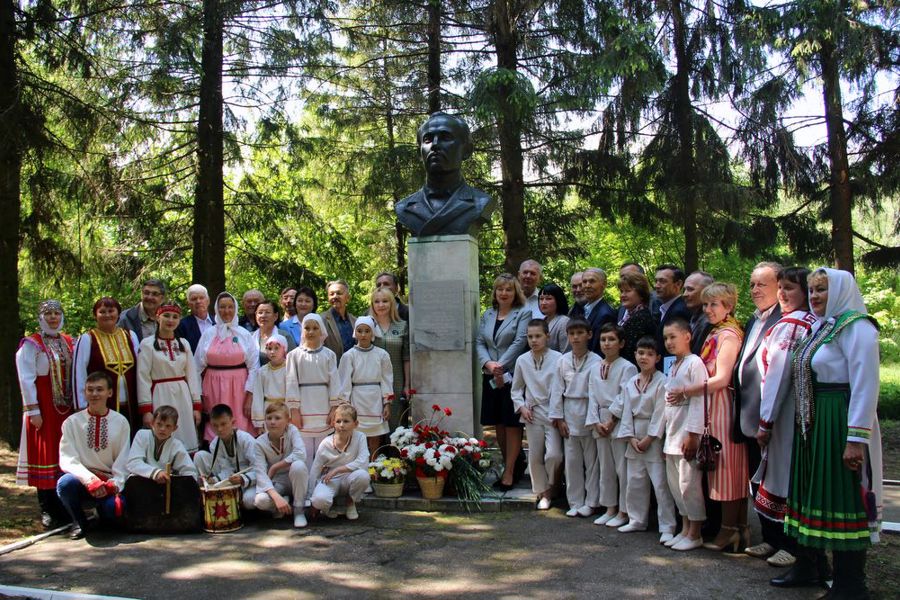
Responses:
[169,488]
[225,482]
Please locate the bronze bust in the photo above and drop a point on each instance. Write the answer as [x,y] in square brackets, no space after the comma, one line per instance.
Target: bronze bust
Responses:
[445,205]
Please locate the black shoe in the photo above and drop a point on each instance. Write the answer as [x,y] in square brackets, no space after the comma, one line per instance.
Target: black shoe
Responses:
[803,573]
[504,487]
[77,533]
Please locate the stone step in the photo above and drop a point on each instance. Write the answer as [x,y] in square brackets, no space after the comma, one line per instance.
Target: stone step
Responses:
[519,498]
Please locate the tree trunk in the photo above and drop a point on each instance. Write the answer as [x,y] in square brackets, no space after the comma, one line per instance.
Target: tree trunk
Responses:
[841,193]
[11,150]
[394,169]
[683,110]
[209,203]
[512,191]
[434,56]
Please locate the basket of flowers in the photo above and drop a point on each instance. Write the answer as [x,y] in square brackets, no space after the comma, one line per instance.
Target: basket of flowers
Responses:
[433,462]
[387,472]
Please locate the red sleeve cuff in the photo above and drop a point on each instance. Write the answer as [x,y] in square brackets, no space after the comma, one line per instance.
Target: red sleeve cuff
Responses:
[197,406]
[766,425]
[145,409]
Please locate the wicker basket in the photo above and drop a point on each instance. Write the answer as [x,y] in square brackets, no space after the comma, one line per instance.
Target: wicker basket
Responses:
[432,487]
[387,490]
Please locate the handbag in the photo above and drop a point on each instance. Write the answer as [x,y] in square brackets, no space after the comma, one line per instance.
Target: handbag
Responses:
[708,452]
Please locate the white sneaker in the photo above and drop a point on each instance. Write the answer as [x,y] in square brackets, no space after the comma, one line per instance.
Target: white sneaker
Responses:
[673,541]
[572,512]
[369,490]
[585,511]
[352,513]
[602,519]
[543,504]
[300,520]
[666,537]
[616,521]
[631,526]
[687,543]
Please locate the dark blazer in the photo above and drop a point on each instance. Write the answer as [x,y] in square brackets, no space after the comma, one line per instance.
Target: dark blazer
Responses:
[600,315]
[403,310]
[189,329]
[640,324]
[747,396]
[510,341]
[678,309]
[462,213]
[131,320]
[699,330]
[333,341]
[577,311]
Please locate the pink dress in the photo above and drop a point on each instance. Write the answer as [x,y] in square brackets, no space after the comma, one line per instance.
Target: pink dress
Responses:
[729,480]
[224,380]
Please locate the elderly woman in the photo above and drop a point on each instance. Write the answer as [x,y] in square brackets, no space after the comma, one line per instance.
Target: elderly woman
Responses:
[225,355]
[555,308]
[108,347]
[835,496]
[728,482]
[636,321]
[501,340]
[392,334]
[44,362]
[776,427]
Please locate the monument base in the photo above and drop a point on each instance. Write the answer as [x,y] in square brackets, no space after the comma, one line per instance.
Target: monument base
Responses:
[443,275]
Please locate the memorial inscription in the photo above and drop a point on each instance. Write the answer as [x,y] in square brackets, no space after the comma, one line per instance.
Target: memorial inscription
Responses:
[445,328]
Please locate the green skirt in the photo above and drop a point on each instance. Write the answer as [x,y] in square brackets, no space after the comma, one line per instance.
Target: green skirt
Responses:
[826,506]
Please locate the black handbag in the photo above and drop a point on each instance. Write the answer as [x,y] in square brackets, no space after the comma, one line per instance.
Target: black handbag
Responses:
[708,452]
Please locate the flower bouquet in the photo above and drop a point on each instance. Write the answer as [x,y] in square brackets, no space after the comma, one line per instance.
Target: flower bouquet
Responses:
[433,462]
[388,475]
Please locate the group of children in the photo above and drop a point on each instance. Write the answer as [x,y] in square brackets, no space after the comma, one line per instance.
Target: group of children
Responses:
[621,429]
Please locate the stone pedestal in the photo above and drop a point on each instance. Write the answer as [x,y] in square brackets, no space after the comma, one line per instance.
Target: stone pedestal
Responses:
[443,276]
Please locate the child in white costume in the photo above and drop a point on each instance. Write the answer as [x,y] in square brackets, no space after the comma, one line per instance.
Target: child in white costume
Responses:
[268,383]
[643,401]
[604,384]
[281,466]
[684,424]
[568,409]
[367,382]
[341,466]
[155,448]
[532,379]
[231,451]
[313,385]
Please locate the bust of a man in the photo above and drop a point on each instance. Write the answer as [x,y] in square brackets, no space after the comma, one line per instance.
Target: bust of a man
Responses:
[445,205]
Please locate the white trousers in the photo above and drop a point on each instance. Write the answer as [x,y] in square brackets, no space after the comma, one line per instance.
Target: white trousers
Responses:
[352,484]
[641,474]
[311,443]
[292,482]
[611,475]
[686,485]
[203,463]
[582,486]
[545,455]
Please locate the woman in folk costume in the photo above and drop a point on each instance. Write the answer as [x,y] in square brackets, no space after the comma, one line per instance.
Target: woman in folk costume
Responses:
[776,414]
[835,496]
[728,482]
[108,347]
[225,356]
[44,362]
[167,376]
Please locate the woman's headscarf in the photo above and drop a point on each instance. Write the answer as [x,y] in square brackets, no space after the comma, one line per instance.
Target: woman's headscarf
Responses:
[318,319]
[365,320]
[843,294]
[225,330]
[279,339]
[49,306]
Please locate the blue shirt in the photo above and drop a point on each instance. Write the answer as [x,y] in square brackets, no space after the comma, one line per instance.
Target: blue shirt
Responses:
[346,329]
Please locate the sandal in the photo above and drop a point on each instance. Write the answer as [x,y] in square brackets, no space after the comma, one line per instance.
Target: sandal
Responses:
[763,550]
[782,558]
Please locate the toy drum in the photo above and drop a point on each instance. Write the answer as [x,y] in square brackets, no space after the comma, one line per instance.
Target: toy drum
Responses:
[222,509]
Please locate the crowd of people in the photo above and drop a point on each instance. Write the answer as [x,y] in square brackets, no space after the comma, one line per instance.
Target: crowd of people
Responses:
[616,404]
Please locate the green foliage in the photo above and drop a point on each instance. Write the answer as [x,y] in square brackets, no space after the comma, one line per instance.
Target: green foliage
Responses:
[889,397]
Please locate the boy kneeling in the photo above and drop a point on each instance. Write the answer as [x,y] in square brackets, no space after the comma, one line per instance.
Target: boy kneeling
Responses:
[342,462]
[281,466]
[231,456]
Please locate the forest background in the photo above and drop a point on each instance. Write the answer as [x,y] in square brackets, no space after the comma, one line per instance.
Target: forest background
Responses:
[264,143]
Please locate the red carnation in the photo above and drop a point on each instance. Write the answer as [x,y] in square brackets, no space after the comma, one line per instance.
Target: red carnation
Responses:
[435,407]
[482,443]
[448,412]
[429,445]
[420,460]
[404,453]
[463,452]
[476,455]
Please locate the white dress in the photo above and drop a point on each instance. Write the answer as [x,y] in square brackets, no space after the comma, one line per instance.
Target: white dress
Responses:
[367,382]
[313,385]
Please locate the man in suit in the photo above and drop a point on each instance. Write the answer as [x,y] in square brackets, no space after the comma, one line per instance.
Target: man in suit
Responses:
[391,282]
[192,326]
[668,282]
[577,309]
[597,312]
[339,322]
[530,273]
[141,318]
[747,380]
[445,205]
[694,285]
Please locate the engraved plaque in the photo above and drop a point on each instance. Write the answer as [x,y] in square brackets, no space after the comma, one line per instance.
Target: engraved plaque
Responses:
[439,319]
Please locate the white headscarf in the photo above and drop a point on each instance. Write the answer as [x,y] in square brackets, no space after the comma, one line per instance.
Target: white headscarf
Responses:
[365,320]
[46,306]
[843,295]
[280,339]
[225,330]
[318,319]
